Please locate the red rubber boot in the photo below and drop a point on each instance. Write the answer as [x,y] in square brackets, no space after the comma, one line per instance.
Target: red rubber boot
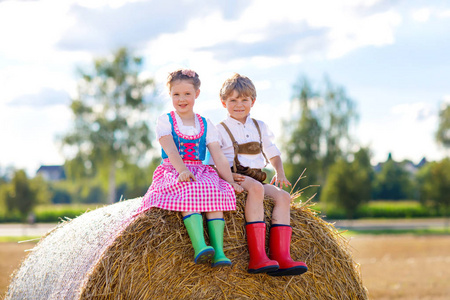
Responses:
[256,240]
[279,250]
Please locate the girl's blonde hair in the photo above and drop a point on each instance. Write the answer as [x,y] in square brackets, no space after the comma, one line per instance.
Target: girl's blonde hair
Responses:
[183,74]
[241,84]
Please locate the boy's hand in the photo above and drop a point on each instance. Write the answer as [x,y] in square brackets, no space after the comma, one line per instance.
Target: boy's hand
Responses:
[280,181]
[238,177]
[237,188]
[186,176]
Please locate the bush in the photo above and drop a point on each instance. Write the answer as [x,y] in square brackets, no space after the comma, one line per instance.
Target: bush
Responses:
[381,209]
[56,213]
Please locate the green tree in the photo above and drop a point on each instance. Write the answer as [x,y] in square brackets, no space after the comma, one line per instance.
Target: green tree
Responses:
[393,182]
[349,183]
[434,181]
[337,115]
[21,195]
[111,111]
[443,132]
[318,132]
[302,136]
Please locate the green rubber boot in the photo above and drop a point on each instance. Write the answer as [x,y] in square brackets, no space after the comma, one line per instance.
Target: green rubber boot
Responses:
[215,229]
[194,226]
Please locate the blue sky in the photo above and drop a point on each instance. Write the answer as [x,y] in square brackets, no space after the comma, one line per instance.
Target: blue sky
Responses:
[391,57]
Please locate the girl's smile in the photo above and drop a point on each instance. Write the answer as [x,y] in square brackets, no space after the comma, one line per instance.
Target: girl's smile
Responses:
[183,94]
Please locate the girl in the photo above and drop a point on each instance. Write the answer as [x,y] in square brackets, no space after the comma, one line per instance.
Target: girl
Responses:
[182,182]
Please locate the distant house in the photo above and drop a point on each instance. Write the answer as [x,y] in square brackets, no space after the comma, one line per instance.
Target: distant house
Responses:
[407,165]
[51,173]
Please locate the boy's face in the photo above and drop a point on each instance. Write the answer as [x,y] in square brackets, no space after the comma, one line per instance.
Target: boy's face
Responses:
[238,107]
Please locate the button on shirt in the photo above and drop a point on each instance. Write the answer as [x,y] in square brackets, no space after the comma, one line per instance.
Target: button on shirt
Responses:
[244,133]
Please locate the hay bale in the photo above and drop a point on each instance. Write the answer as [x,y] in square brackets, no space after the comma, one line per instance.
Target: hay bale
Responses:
[107,254]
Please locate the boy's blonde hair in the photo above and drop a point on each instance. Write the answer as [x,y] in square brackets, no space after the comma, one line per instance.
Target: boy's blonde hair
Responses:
[183,74]
[241,84]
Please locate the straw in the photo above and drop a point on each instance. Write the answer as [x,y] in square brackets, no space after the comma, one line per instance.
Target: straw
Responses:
[151,257]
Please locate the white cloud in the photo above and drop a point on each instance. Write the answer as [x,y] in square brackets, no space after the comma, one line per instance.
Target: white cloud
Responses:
[404,137]
[353,33]
[32,36]
[421,15]
[102,3]
[16,81]
[29,135]
[446,99]
[414,112]
[282,32]
[444,14]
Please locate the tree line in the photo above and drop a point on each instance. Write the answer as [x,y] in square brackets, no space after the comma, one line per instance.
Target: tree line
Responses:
[109,153]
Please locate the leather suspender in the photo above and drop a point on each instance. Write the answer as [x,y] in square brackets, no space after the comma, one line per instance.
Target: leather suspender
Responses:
[236,145]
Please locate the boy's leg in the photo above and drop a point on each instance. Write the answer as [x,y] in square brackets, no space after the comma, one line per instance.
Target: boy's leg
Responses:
[281,233]
[281,213]
[256,240]
[256,228]
[194,227]
[254,206]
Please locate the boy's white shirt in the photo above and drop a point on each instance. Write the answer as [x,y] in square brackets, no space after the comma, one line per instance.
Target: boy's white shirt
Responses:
[244,133]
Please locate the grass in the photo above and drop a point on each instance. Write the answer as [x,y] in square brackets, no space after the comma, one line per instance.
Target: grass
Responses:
[381,209]
[19,239]
[51,213]
[418,232]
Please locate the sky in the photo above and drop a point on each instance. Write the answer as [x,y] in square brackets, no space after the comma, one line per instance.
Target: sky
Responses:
[392,58]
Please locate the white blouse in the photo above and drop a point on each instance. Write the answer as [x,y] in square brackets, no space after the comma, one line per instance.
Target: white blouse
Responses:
[163,128]
[244,133]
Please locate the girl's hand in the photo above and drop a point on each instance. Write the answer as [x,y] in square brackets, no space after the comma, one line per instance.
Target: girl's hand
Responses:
[280,181]
[186,176]
[237,188]
[238,177]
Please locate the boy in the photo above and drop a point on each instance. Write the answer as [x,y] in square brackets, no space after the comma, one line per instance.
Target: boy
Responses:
[248,146]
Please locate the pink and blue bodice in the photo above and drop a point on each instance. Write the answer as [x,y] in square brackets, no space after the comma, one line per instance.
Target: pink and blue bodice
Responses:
[190,147]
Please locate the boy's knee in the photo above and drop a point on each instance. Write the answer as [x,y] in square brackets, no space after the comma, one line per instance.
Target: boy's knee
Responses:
[256,188]
[283,198]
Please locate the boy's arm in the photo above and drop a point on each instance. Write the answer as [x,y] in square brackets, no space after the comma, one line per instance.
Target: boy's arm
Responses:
[222,165]
[171,150]
[279,179]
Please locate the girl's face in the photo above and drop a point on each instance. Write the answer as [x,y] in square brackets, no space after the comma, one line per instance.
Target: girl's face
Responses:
[183,94]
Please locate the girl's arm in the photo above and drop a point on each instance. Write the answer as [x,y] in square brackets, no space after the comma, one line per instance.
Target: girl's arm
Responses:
[222,166]
[280,178]
[171,150]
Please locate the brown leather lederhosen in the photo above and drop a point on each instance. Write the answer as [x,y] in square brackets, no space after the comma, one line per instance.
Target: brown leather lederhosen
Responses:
[247,148]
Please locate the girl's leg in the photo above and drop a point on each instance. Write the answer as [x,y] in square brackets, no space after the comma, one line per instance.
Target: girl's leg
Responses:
[216,225]
[194,227]
[214,215]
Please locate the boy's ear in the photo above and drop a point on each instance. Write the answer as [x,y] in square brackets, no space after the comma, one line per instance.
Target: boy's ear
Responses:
[253,101]
[224,103]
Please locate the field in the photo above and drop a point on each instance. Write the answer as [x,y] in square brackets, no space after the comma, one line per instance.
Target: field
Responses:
[392,266]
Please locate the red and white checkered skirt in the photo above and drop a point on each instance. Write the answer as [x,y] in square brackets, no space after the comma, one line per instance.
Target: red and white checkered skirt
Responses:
[208,193]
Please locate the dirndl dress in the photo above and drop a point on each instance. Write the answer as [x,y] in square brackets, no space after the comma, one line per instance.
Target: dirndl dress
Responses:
[207,193]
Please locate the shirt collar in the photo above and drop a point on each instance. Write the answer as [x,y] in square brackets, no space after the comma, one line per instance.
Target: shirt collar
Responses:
[236,122]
